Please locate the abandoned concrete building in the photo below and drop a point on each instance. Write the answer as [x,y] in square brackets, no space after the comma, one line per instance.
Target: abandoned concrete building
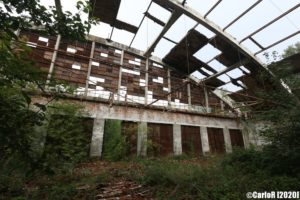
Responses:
[185,99]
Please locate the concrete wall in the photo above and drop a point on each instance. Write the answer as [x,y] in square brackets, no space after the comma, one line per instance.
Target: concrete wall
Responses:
[102,111]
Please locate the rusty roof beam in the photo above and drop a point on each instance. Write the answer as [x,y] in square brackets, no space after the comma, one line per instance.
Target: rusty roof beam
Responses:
[158,21]
[271,22]
[236,65]
[193,14]
[278,42]
[257,43]
[140,23]
[212,8]
[166,38]
[241,15]
[175,15]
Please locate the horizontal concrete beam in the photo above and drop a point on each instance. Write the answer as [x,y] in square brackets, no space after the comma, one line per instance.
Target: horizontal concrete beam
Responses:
[104,111]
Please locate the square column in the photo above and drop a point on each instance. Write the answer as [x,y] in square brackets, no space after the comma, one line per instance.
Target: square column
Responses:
[177,145]
[97,138]
[227,140]
[204,140]
[142,139]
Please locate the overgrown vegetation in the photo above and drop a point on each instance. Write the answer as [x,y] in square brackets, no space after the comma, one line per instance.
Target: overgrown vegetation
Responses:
[33,138]
[115,146]
[40,144]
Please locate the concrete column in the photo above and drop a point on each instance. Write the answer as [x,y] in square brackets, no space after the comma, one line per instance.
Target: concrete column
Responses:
[204,140]
[169,88]
[97,138]
[189,95]
[227,140]
[246,139]
[54,56]
[142,139]
[177,145]
[206,99]
[120,75]
[222,105]
[89,69]
[146,81]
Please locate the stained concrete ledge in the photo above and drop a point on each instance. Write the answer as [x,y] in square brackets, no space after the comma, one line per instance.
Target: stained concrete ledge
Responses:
[105,111]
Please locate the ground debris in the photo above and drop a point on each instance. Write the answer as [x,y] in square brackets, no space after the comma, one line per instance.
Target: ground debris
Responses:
[123,190]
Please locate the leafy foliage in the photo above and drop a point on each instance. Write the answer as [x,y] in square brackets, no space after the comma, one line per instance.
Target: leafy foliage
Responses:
[66,141]
[281,116]
[291,50]
[114,146]
[27,14]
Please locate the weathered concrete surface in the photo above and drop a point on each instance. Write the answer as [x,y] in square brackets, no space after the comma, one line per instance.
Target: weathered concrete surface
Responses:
[142,139]
[97,138]
[251,134]
[103,110]
[177,145]
[156,116]
[204,140]
[228,146]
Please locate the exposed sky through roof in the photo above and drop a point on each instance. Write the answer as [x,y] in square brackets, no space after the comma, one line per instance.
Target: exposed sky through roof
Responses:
[132,12]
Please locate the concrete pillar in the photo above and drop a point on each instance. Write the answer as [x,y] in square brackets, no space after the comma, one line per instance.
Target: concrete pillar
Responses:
[142,139]
[206,99]
[146,81]
[120,75]
[228,146]
[204,140]
[222,105]
[246,139]
[53,59]
[189,95]
[169,88]
[89,69]
[177,145]
[97,138]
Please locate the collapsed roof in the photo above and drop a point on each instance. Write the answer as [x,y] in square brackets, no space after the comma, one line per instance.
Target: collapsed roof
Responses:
[233,67]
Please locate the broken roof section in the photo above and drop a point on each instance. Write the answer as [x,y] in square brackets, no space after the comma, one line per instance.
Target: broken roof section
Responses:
[180,31]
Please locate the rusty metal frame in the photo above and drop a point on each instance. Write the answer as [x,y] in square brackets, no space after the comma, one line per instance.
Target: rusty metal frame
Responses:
[241,15]
[212,8]
[140,23]
[271,22]
[278,42]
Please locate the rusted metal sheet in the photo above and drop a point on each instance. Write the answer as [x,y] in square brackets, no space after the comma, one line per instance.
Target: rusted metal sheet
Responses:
[236,138]
[72,66]
[41,49]
[177,80]
[160,137]
[157,88]
[230,55]
[177,57]
[191,140]
[107,11]
[216,140]
[129,130]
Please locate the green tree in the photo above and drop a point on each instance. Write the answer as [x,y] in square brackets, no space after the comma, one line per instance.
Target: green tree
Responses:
[20,120]
[291,50]
[281,112]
